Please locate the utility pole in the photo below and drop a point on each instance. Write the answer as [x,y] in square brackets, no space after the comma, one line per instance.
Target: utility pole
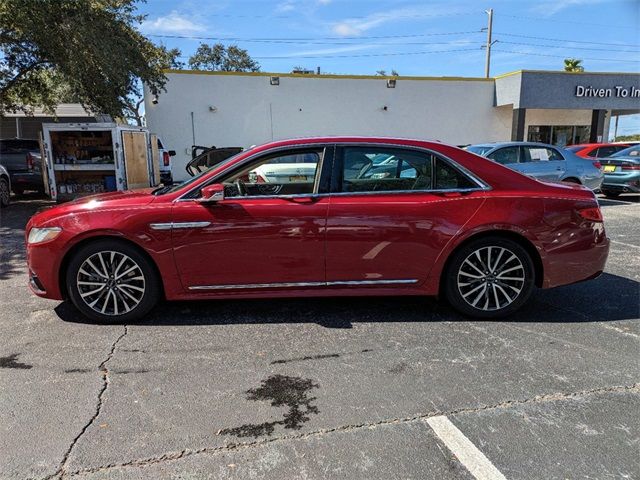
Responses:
[487,66]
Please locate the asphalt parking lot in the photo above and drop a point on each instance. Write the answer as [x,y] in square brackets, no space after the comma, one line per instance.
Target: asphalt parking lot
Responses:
[325,388]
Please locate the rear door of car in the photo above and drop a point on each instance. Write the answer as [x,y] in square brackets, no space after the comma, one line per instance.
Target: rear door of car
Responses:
[542,162]
[387,228]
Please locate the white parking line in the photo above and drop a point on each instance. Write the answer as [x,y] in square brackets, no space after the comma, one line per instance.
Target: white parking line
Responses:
[625,244]
[473,459]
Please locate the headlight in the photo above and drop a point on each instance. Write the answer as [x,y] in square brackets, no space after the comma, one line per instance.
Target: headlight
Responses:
[39,235]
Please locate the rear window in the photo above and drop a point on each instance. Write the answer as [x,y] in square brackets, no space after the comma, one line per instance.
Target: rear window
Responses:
[18,146]
[628,152]
[479,149]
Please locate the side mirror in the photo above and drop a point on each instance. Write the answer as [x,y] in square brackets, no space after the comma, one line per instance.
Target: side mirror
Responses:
[212,193]
[172,153]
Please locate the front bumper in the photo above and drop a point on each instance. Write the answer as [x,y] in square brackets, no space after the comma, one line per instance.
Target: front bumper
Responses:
[44,262]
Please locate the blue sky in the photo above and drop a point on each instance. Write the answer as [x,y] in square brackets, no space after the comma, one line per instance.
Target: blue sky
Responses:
[412,37]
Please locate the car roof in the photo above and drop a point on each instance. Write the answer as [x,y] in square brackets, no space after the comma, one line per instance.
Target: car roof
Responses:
[603,144]
[513,144]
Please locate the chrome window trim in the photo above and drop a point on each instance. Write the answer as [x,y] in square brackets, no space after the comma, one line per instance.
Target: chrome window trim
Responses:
[304,284]
[482,185]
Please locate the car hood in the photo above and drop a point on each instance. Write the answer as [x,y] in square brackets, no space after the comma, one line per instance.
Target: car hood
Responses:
[111,200]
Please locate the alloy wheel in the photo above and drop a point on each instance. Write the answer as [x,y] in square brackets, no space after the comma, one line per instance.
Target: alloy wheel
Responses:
[110,283]
[491,278]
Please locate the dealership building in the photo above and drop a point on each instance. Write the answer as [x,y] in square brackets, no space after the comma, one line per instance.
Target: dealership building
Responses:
[231,109]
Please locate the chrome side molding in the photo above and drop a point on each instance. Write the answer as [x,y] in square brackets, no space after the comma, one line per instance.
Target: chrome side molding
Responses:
[354,283]
[172,225]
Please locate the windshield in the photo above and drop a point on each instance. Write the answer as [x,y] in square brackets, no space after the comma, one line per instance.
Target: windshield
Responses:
[628,152]
[177,186]
[479,149]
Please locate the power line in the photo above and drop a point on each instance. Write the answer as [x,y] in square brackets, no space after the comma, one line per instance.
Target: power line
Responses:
[294,57]
[564,56]
[565,21]
[285,39]
[567,47]
[565,40]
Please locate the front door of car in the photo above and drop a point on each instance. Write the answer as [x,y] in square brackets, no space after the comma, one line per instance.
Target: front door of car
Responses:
[543,163]
[268,232]
[389,221]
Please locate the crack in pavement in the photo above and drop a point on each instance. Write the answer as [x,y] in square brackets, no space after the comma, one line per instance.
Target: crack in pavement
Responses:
[172,456]
[61,471]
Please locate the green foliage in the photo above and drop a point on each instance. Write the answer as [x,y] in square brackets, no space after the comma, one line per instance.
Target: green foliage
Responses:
[573,65]
[628,138]
[86,50]
[217,57]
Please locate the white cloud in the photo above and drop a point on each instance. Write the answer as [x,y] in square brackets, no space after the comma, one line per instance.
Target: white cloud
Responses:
[352,27]
[286,6]
[173,23]
[549,8]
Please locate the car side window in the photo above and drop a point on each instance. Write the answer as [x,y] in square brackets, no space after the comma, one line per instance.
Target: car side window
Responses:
[285,173]
[541,154]
[448,178]
[381,169]
[505,155]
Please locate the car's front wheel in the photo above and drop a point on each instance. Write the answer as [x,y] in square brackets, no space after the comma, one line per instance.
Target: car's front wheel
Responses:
[111,281]
[489,277]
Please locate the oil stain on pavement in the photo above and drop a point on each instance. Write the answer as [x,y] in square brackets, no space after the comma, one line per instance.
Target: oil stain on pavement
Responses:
[10,362]
[281,390]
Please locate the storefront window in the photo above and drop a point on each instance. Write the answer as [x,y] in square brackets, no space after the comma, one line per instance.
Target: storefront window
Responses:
[560,135]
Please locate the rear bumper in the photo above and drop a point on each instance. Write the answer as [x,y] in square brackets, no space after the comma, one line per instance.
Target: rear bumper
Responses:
[574,261]
[26,181]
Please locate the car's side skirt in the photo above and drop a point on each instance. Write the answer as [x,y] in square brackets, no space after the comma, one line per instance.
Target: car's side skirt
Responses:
[338,283]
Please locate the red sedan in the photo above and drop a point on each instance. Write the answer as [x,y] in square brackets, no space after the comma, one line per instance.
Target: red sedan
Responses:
[322,217]
[596,150]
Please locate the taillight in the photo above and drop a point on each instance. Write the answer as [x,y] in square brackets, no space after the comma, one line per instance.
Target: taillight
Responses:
[166,159]
[630,167]
[29,161]
[598,165]
[593,214]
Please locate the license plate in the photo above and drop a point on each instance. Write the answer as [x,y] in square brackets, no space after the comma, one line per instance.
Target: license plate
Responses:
[609,168]
[298,178]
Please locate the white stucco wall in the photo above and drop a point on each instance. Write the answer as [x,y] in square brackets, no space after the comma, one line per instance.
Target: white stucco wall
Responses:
[248,110]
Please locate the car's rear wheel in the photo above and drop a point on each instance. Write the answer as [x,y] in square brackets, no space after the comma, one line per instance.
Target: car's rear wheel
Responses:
[111,281]
[489,277]
[5,194]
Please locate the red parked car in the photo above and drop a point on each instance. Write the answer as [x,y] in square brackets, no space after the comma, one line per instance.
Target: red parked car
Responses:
[596,150]
[442,222]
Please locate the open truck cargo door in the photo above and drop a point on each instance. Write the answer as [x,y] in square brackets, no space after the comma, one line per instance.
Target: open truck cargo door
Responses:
[134,147]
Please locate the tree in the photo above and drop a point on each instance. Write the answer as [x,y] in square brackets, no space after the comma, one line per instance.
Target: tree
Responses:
[217,57]
[170,61]
[383,73]
[573,65]
[89,50]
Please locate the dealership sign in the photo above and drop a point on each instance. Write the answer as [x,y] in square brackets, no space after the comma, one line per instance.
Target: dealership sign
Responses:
[617,91]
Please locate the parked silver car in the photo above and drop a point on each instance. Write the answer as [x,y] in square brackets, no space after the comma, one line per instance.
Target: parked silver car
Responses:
[544,162]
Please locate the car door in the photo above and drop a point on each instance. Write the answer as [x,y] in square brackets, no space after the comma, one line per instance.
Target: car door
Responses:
[387,227]
[543,162]
[263,235]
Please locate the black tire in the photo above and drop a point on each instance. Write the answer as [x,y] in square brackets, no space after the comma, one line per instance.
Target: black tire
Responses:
[459,283]
[610,194]
[5,193]
[114,294]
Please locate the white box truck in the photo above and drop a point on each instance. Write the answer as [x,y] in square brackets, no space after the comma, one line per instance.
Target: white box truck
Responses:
[87,158]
